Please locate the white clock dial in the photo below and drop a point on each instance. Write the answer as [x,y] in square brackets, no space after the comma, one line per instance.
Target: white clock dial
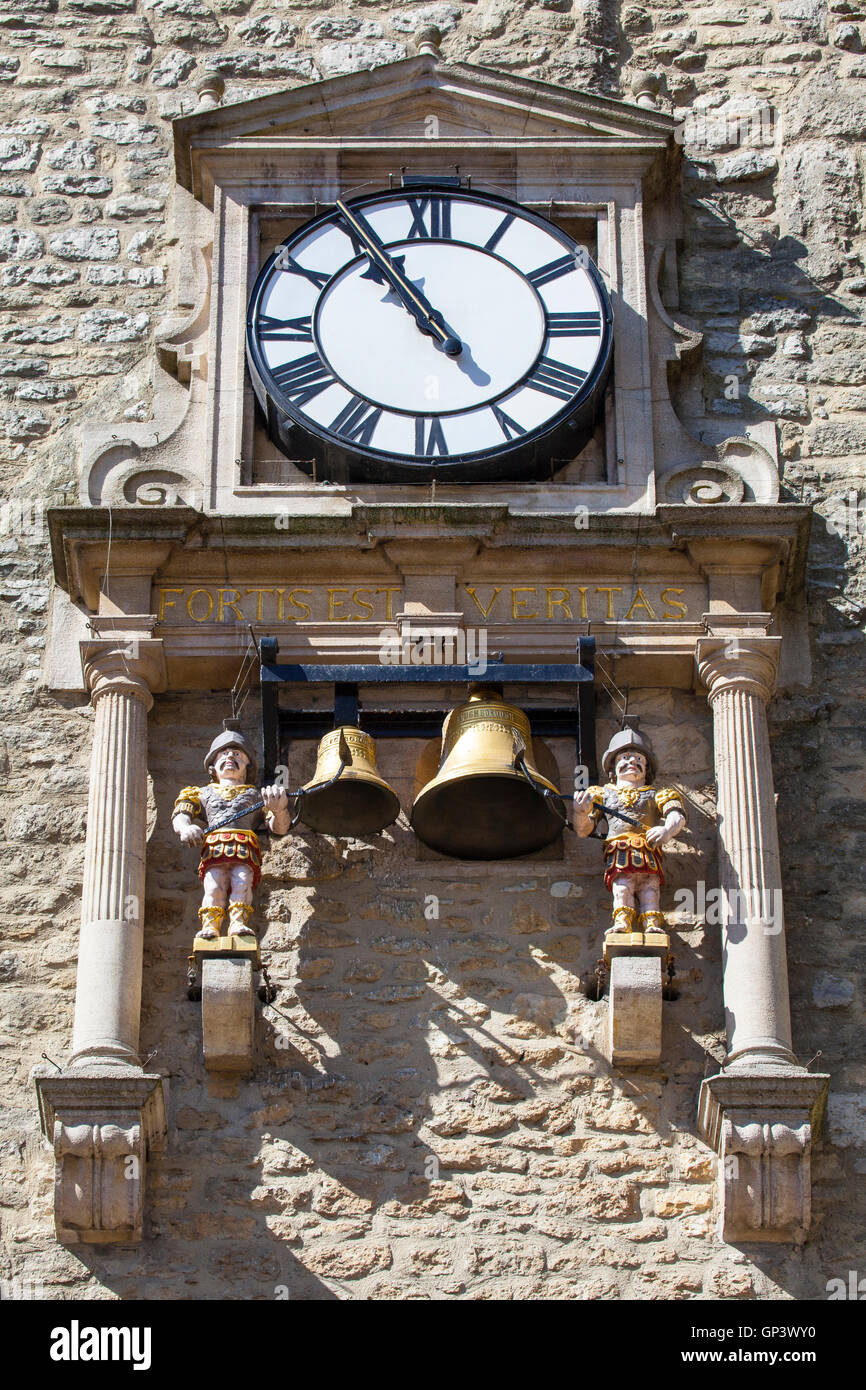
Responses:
[373,345]
[433,330]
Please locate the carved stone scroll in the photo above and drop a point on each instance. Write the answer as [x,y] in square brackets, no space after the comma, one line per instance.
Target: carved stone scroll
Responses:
[763,1127]
[103,1129]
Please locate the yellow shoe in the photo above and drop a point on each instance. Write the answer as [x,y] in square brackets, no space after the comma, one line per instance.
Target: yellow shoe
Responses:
[651,922]
[239,916]
[212,919]
[623,919]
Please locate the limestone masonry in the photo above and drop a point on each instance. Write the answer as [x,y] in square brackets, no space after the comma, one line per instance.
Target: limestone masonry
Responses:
[433,1113]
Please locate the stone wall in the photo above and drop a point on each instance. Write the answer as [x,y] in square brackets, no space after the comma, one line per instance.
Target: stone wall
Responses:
[399,1041]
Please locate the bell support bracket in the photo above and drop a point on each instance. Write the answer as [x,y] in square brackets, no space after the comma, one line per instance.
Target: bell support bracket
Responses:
[281,726]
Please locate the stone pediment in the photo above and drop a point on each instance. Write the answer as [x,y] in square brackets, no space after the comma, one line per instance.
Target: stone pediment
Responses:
[396,106]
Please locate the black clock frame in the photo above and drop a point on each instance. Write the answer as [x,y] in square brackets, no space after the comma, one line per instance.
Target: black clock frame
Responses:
[328,456]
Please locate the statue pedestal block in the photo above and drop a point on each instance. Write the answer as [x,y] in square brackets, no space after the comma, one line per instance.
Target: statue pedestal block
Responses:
[226,947]
[635,943]
[635,1017]
[227,1011]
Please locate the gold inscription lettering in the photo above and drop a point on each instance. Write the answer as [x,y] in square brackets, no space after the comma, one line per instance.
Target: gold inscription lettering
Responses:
[562,602]
[515,601]
[260,592]
[611,616]
[640,601]
[209,596]
[674,603]
[333,603]
[304,609]
[485,612]
[389,610]
[363,602]
[223,603]
[166,602]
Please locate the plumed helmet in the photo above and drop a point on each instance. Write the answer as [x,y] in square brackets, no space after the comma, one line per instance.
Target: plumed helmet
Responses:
[231,738]
[621,742]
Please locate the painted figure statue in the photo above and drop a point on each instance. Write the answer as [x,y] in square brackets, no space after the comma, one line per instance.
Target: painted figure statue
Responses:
[231,856]
[640,819]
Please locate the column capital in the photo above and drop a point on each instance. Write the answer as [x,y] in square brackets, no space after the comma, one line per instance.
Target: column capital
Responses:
[123,656]
[738,656]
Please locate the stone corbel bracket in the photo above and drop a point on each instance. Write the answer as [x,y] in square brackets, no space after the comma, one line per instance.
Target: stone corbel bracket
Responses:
[228,1018]
[738,469]
[103,1126]
[148,464]
[762,1126]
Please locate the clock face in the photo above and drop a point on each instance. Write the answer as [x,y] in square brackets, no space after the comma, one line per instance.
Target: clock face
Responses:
[429,333]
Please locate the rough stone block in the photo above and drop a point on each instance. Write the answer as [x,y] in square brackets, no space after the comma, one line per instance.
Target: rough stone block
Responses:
[635,1019]
[227,1014]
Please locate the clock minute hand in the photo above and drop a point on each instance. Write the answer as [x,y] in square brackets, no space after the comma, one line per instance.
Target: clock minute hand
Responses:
[411,297]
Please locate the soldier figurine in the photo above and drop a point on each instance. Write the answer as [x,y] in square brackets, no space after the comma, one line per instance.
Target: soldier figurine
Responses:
[633,843]
[231,858]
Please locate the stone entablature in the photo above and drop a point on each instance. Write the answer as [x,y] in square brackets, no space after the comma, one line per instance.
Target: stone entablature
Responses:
[435,566]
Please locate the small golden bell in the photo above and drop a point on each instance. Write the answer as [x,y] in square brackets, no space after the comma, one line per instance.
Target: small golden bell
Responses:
[346,795]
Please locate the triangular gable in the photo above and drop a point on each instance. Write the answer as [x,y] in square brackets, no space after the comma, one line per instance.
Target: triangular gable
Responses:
[394,102]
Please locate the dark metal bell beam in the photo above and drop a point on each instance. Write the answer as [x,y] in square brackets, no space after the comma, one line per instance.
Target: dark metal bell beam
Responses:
[577,721]
[495,673]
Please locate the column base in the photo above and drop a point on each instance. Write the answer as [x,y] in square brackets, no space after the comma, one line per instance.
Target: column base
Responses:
[762,1055]
[103,1124]
[762,1123]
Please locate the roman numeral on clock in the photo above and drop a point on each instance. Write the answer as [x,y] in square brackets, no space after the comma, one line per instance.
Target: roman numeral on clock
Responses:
[509,427]
[432,441]
[581,325]
[303,379]
[556,378]
[357,420]
[436,211]
[271,330]
[552,271]
[316,277]
[493,241]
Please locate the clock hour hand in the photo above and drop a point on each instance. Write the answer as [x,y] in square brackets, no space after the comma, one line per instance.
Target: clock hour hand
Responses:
[426,317]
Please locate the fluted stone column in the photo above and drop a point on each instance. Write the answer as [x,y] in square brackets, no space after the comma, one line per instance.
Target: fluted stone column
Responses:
[740,675]
[108,992]
[104,1114]
[763,1109]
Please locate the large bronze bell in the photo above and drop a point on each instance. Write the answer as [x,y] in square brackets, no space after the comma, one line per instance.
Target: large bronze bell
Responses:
[488,799]
[346,795]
